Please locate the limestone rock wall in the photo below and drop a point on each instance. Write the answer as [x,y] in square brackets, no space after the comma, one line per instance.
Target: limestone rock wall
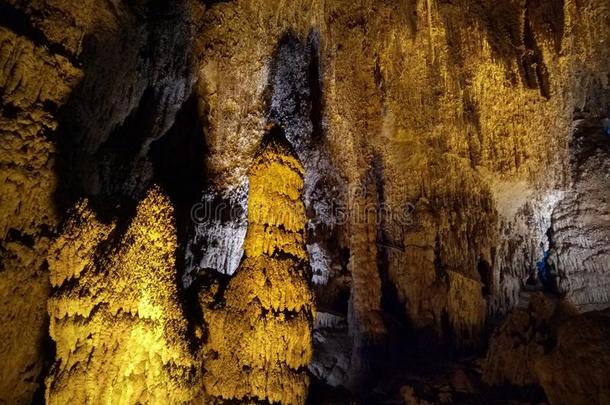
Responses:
[581,347]
[24,288]
[70,75]
[579,232]
[525,336]
[34,80]
[550,344]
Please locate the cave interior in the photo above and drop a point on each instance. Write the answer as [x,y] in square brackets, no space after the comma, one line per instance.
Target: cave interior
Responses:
[306,202]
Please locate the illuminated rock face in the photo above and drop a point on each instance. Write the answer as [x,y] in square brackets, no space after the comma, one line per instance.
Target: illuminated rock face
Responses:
[119,330]
[579,258]
[64,90]
[24,289]
[465,307]
[260,340]
[32,78]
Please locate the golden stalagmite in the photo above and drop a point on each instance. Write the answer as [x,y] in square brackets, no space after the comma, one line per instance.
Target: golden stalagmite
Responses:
[119,330]
[260,341]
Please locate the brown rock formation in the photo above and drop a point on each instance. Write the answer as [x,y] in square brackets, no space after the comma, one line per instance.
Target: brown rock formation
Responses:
[524,337]
[24,288]
[33,80]
[551,345]
[577,370]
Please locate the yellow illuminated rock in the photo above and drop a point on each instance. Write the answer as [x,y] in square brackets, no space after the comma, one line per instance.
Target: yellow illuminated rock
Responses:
[260,341]
[31,77]
[119,330]
[24,288]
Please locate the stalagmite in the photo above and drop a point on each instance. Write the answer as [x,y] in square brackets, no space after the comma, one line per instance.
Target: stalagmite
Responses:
[116,320]
[260,339]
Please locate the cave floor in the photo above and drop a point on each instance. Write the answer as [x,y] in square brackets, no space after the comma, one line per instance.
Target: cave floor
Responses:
[435,382]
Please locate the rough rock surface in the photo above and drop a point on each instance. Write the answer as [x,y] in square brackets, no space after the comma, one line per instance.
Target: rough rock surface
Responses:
[24,288]
[580,233]
[525,336]
[448,123]
[577,370]
[34,80]
[72,75]
[332,349]
[260,340]
[218,237]
[115,311]
[551,345]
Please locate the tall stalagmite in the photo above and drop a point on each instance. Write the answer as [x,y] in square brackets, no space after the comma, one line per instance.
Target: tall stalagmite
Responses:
[260,341]
[116,321]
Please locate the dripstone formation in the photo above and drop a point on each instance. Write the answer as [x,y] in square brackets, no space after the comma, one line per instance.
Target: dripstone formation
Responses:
[260,340]
[123,341]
